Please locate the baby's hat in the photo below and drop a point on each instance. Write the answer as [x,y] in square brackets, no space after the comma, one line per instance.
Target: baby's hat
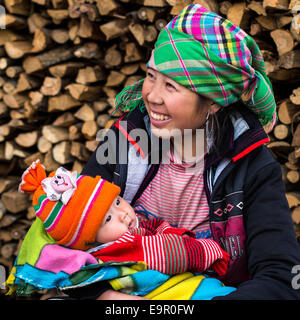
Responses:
[71,206]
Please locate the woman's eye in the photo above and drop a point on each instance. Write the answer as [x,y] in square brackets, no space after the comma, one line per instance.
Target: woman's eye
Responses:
[150,75]
[117,202]
[108,219]
[169,85]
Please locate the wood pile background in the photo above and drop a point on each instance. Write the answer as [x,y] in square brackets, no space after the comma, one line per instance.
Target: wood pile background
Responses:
[62,62]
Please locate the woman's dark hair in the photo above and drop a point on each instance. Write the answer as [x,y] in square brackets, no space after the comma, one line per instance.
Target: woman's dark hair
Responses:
[221,122]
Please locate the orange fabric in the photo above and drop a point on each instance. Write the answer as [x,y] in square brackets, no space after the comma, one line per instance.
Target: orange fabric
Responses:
[32,177]
[79,219]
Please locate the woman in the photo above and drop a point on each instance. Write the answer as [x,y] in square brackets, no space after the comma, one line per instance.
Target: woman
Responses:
[206,73]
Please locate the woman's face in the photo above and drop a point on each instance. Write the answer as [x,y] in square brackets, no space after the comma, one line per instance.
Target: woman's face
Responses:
[172,106]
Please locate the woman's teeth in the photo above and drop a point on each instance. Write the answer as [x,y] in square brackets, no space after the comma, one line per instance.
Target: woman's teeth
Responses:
[159,117]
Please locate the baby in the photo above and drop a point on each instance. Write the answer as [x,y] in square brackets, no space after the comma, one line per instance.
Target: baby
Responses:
[82,212]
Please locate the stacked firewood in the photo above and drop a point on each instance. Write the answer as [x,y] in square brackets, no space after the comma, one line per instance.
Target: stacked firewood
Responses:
[62,62]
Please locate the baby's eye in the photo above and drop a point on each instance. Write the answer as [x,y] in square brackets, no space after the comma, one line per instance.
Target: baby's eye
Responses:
[117,202]
[108,218]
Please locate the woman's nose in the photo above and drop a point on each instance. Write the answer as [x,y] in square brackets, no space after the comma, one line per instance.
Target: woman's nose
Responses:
[154,94]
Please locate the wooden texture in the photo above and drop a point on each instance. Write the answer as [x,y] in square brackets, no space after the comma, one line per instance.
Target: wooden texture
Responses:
[63,62]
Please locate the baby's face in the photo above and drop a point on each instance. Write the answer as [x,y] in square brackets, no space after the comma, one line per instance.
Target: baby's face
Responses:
[118,220]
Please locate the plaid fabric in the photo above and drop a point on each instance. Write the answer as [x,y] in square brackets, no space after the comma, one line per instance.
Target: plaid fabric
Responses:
[214,58]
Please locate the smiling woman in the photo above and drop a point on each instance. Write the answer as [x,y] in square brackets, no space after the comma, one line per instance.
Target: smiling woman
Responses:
[205,73]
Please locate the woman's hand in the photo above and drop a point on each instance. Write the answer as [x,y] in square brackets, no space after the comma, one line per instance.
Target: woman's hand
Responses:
[115,295]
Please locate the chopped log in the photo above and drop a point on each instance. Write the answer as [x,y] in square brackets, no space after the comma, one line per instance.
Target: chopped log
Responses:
[60,36]
[37,21]
[39,62]
[132,53]
[17,49]
[90,75]
[154,3]
[283,39]
[21,7]
[113,57]
[36,98]
[8,219]
[7,183]
[296,215]
[62,153]
[293,176]
[295,96]
[297,153]
[5,236]
[85,27]
[50,163]
[58,15]
[13,71]
[51,86]
[115,79]
[9,36]
[79,151]
[150,34]
[237,14]
[89,129]
[41,40]
[293,199]
[54,134]
[75,132]
[130,69]
[138,32]
[296,137]
[102,120]
[256,6]
[290,60]
[276,4]
[85,113]
[146,14]
[26,82]
[65,69]
[14,100]
[44,145]
[8,249]
[160,23]
[286,111]
[27,140]
[115,28]
[62,102]
[267,22]
[65,120]
[106,7]
[14,22]
[292,158]
[83,92]
[281,131]
[15,201]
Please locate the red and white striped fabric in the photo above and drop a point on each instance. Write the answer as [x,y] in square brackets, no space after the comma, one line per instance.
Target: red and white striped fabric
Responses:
[176,194]
[169,252]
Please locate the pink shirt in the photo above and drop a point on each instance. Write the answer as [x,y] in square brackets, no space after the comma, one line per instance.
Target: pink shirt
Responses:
[176,194]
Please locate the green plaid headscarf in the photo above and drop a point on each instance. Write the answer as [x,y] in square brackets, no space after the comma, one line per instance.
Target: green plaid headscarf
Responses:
[212,57]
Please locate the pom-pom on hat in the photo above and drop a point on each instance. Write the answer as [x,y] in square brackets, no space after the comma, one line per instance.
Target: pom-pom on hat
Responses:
[71,206]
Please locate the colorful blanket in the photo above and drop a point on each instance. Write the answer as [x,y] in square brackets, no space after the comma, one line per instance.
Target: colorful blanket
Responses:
[42,264]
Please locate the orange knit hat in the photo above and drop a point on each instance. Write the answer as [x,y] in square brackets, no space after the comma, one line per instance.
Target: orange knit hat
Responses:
[71,206]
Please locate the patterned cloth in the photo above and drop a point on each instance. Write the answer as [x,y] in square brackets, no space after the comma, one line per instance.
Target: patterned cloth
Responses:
[165,249]
[212,57]
[42,264]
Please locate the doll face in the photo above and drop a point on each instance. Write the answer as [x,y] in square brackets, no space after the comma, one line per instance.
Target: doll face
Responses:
[61,182]
[119,219]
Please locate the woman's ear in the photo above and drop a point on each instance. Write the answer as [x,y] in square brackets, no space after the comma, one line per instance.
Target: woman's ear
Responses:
[214,108]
